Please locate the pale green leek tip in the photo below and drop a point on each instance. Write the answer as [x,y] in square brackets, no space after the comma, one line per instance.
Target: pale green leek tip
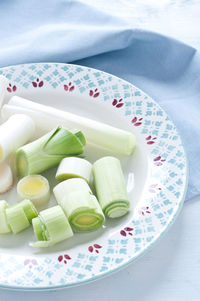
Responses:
[48,151]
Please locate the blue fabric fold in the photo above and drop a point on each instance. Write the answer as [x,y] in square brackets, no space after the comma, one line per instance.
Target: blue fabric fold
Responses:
[72,31]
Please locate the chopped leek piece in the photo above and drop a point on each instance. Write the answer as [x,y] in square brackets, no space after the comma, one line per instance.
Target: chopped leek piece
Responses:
[4,227]
[38,228]
[110,187]
[73,167]
[6,177]
[80,206]
[29,209]
[83,211]
[16,131]
[51,227]
[17,219]
[48,151]
[20,215]
[35,188]
[46,117]
[66,187]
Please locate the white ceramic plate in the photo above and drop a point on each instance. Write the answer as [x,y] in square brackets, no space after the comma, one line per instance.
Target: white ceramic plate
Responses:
[156,177]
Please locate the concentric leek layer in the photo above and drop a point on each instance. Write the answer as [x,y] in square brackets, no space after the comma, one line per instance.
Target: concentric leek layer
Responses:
[34,187]
[79,204]
[110,187]
[117,209]
[85,220]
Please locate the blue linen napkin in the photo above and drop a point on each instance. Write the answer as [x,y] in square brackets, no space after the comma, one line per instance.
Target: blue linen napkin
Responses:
[71,31]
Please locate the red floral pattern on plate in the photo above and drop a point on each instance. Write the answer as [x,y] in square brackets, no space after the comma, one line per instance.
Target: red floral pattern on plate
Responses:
[94,93]
[11,88]
[94,247]
[69,87]
[118,103]
[136,122]
[158,161]
[64,258]
[38,83]
[126,230]
[153,188]
[30,262]
[150,140]
[144,210]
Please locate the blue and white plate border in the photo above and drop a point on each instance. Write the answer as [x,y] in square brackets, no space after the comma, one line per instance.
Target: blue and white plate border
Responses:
[99,86]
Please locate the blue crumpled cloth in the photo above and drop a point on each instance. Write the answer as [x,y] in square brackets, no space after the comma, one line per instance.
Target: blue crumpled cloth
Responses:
[71,31]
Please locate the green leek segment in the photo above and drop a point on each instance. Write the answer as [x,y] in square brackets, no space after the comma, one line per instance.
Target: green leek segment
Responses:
[19,216]
[48,151]
[73,167]
[51,227]
[80,206]
[86,214]
[110,187]
[4,227]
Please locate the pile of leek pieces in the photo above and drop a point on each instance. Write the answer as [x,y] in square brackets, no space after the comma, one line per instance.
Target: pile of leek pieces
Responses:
[78,208]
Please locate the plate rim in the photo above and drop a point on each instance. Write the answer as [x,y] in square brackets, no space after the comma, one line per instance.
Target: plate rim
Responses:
[149,246]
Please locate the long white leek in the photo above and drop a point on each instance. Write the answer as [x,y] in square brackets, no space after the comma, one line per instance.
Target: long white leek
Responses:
[16,131]
[98,133]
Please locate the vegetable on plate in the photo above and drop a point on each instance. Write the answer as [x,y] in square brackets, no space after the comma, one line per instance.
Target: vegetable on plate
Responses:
[48,151]
[20,215]
[110,187]
[6,177]
[98,133]
[35,188]
[73,167]
[79,204]
[4,226]
[51,227]
[15,132]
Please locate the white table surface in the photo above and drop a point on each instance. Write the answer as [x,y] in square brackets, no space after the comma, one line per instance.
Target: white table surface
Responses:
[171,270]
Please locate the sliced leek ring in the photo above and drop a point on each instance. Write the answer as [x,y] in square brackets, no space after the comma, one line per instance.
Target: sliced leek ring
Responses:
[35,188]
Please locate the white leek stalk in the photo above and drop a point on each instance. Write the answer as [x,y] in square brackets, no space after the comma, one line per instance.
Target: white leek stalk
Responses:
[48,151]
[4,227]
[20,215]
[51,227]
[110,187]
[66,187]
[73,167]
[6,177]
[35,188]
[15,132]
[98,133]
[79,204]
